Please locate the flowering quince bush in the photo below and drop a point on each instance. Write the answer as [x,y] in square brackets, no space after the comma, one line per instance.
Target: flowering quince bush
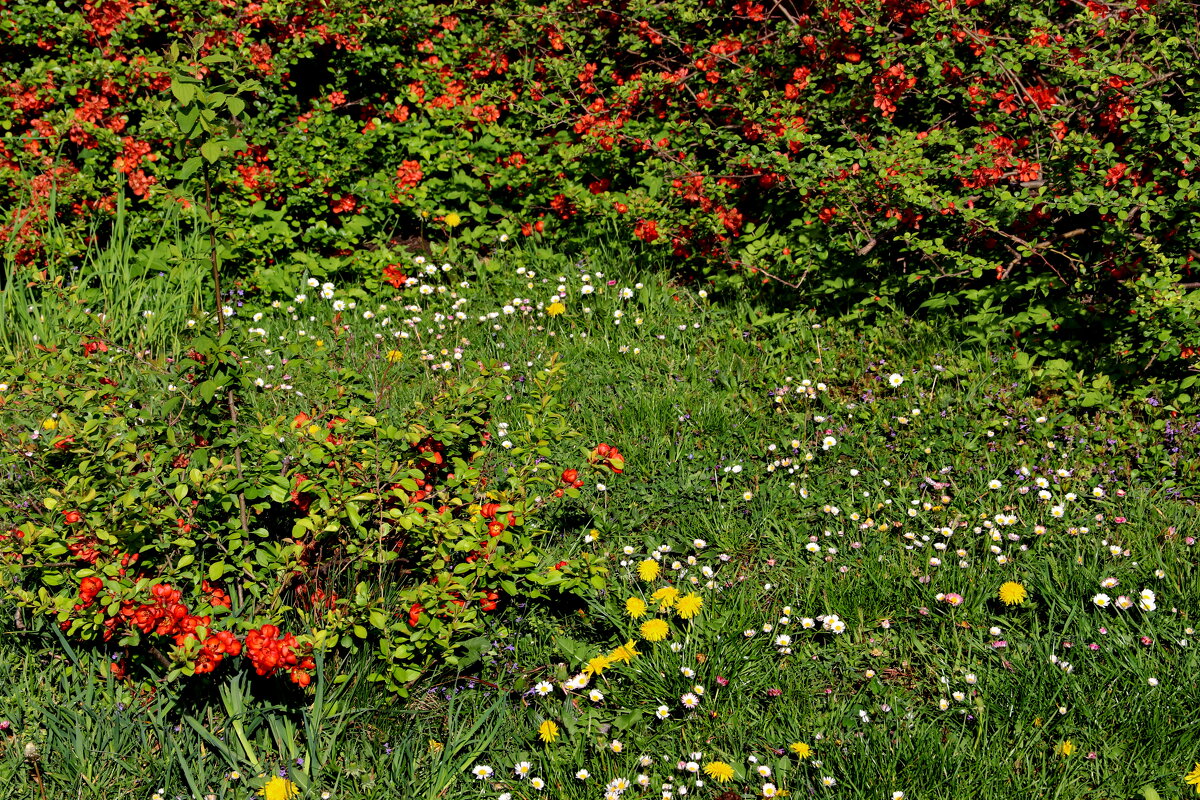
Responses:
[1031,166]
[159,516]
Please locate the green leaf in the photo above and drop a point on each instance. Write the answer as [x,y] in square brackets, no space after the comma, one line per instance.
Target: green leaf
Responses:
[211,150]
[184,92]
[186,120]
[189,167]
[625,721]
[208,389]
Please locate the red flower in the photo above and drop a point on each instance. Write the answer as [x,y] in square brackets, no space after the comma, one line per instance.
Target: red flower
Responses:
[94,346]
[1042,96]
[409,175]
[889,86]
[140,182]
[1027,171]
[1115,174]
[268,652]
[88,589]
[489,601]
[394,276]
[72,516]
[646,230]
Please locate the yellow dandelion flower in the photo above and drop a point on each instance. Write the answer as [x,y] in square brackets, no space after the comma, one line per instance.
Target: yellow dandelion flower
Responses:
[394,355]
[435,746]
[648,569]
[635,607]
[665,597]
[1012,593]
[548,731]
[625,653]
[800,749]
[554,309]
[689,605]
[655,630]
[1193,777]
[279,789]
[1066,748]
[453,220]
[719,771]
[597,665]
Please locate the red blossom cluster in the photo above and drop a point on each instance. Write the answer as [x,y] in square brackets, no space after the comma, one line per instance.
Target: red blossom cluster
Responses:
[889,86]
[214,650]
[163,616]
[255,171]
[217,597]
[393,275]
[646,230]
[269,652]
[607,456]
[132,154]
[167,615]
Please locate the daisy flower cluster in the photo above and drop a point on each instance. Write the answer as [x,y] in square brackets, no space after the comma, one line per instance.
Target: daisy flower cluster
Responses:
[436,320]
[661,561]
[1146,600]
[673,776]
[780,632]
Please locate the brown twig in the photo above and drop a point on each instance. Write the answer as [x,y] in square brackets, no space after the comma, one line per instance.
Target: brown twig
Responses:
[154,651]
[774,278]
[1036,247]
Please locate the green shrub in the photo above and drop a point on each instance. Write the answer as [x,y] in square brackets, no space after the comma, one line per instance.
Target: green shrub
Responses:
[1027,166]
[164,516]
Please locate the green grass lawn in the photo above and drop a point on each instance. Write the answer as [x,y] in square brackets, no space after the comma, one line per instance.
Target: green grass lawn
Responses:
[806,551]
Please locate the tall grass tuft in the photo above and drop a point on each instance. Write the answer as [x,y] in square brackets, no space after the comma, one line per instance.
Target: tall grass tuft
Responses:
[135,287]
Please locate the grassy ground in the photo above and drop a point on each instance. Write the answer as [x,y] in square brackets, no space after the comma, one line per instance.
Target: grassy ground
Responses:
[846,502]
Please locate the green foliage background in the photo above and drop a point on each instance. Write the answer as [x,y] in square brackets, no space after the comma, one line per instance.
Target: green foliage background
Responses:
[1026,167]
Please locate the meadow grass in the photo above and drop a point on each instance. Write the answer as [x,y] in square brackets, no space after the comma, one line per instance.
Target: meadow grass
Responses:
[845,501]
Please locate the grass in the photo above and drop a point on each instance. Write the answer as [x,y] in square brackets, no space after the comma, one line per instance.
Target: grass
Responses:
[724,412]
[140,296]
